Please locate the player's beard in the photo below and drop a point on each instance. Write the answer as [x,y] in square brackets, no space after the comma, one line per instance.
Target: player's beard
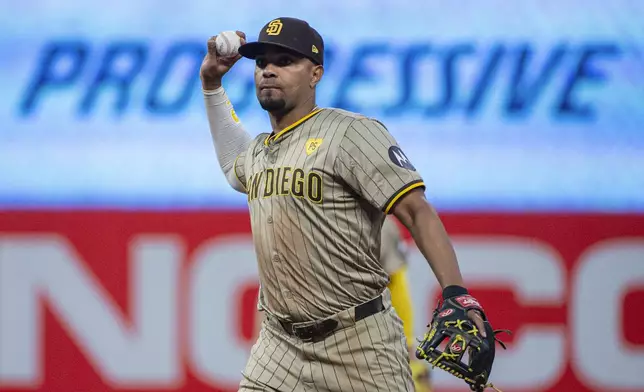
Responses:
[271,101]
[272,104]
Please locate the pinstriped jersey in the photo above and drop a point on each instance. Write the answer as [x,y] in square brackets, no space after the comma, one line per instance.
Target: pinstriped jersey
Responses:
[318,192]
[392,247]
[393,250]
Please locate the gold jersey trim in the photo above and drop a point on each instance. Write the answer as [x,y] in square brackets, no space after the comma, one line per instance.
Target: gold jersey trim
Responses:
[290,127]
[403,192]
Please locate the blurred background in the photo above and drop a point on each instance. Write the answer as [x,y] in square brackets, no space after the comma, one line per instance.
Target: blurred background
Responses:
[126,261]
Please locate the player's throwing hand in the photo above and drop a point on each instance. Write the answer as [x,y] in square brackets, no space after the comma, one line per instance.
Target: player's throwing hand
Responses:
[214,67]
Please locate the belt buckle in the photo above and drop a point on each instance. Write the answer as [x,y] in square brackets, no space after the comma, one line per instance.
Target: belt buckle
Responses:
[305,333]
[318,330]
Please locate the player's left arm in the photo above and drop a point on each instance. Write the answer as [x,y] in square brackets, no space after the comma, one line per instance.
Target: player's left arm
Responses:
[429,234]
[427,230]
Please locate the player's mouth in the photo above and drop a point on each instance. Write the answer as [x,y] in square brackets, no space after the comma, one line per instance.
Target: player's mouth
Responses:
[268,87]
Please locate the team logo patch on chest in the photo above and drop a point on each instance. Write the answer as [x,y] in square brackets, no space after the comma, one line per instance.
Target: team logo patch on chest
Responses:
[312,145]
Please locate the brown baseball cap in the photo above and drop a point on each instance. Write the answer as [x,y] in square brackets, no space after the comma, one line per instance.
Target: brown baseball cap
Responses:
[290,33]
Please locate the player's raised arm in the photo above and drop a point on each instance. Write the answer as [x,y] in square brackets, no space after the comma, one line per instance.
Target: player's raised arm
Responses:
[229,136]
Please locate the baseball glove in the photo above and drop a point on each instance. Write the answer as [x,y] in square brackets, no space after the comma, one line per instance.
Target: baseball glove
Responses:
[450,322]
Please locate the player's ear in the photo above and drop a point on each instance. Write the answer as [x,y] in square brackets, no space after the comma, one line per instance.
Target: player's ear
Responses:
[316,75]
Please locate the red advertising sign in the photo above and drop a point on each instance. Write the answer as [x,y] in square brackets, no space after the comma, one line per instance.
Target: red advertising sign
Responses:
[165,301]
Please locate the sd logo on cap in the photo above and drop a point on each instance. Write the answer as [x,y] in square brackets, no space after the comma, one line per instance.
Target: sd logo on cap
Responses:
[288,33]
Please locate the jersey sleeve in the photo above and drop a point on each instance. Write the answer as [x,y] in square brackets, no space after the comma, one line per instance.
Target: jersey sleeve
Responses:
[371,162]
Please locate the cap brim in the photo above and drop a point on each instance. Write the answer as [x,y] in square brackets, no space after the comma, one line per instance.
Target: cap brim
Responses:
[251,50]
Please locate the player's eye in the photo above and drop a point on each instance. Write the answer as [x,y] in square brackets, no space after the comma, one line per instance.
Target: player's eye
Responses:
[260,62]
[284,61]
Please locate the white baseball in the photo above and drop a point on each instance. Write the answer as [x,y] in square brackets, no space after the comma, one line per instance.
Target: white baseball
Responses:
[227,42]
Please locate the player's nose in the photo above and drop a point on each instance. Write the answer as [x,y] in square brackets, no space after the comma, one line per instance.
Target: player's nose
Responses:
[269,71]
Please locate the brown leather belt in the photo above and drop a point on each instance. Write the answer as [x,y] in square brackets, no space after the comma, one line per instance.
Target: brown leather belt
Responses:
[325,327]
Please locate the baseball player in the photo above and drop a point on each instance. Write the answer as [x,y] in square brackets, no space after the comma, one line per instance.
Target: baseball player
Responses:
[319,186]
